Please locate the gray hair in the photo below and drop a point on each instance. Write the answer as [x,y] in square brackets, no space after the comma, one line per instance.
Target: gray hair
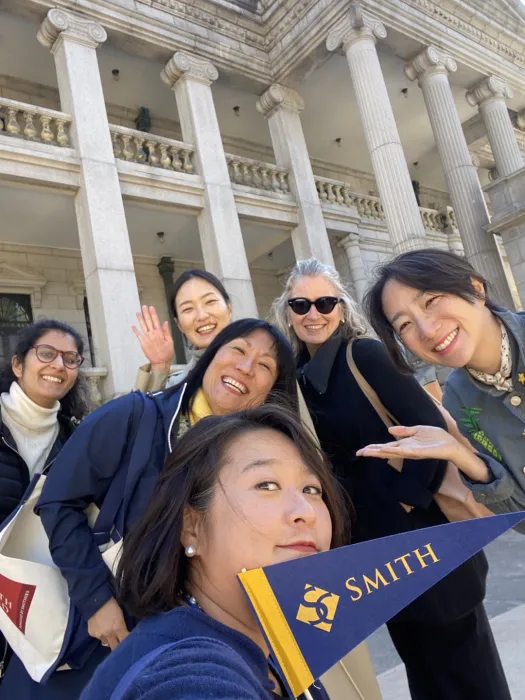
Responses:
[354,322]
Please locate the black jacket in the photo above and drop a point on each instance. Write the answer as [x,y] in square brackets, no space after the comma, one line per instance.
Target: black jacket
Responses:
[14,474]
[345,421]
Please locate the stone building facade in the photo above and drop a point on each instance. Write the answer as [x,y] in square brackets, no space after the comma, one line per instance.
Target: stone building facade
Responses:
[142,137]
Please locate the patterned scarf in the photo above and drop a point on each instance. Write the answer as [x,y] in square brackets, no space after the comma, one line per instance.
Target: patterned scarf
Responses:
[199,408]
[502,380]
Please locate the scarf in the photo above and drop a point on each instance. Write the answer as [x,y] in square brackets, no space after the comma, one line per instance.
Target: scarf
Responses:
[199,408]
[502,380]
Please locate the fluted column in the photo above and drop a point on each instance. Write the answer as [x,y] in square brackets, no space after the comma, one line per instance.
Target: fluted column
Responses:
[358,33]
[431,68]
[111,286]
[355,262]
[282,106]
[490,97]
[222,243]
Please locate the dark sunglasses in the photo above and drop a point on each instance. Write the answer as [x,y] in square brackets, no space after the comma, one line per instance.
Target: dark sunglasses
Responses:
[325,305]
[47,354]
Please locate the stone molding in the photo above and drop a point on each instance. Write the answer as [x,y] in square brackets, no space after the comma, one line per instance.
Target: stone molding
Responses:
[520,120]
[430,61]
[59,24]
[357,25]
[488,89]
[15,280]
[185,65]
[349,241]
[279,97]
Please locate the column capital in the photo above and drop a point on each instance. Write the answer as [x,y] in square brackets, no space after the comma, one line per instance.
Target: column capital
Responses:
[520,120]
[430,61]
[487,90]
[186,65]
[60,24]
[279,97]
[351,240]
[357,25]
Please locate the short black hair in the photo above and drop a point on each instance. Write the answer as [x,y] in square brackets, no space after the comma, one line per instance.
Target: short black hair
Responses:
[203,275]
[427,270]
[153,571]
[75,403]
[285,386]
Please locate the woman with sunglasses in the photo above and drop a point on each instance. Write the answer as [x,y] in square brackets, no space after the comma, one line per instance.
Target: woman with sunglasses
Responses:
[443,638]
[41,401]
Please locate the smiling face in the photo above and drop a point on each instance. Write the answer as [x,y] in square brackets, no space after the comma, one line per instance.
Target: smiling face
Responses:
[242,373]
[267,508]
[45,384]
[441,329]
[315,328]
[201,311]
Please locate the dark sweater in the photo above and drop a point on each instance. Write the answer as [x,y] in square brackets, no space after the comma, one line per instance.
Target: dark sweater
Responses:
[210,661]
[345,421]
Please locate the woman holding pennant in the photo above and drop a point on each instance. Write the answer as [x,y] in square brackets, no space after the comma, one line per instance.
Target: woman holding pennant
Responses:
[443,637]
[437,306]
[240,492]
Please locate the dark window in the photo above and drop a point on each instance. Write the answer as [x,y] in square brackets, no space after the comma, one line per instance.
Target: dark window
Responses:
[89,333]
[15,314]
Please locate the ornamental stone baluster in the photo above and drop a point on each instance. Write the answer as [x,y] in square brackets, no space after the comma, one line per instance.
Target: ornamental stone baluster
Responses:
[431,68]
[109,274]
[490,96]
[358,33]
[46,134]
[220,232]
[281,106]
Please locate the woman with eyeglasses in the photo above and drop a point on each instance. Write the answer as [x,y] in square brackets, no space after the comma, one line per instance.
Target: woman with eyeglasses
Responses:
[41,401]
[443,638]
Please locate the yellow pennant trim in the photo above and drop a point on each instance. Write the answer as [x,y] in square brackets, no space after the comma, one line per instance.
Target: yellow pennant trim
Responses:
[277,630]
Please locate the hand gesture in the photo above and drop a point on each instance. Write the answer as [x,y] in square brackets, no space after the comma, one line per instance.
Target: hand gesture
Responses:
[108,624]
[155,339]
[418,442]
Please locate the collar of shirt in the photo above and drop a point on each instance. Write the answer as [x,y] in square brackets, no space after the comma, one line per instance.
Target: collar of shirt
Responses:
[317,369]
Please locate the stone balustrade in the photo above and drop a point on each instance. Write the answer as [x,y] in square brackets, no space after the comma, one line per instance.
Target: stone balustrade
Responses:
[34,123]
[432,219]
[335,192]
[254,173]
[94,377]
[143,147]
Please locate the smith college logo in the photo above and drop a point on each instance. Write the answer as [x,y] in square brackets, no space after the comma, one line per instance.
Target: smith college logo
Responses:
[318,607]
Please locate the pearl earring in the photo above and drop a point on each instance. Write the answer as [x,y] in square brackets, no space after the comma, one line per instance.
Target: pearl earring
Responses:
[190,551]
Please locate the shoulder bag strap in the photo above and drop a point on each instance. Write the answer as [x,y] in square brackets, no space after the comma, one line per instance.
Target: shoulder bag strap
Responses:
[305,416]
[385,415]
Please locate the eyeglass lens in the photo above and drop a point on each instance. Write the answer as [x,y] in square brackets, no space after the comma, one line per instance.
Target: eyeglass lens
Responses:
[47,353]
[324,305]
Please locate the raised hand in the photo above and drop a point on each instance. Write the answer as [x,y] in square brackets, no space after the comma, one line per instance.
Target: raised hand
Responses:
[155,339]
[417,442]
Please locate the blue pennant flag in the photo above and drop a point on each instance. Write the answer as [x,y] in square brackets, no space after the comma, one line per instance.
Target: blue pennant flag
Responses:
[316,609]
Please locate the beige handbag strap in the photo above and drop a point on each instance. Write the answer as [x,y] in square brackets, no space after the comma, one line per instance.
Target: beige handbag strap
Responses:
[385,415]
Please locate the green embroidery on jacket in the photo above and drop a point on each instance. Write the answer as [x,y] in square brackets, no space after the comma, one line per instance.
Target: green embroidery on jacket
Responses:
[472,425]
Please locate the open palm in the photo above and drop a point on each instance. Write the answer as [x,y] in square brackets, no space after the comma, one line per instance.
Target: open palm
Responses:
[417,442]
[155,338]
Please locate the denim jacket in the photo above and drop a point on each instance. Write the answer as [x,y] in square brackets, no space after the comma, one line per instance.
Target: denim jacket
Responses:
[494,422]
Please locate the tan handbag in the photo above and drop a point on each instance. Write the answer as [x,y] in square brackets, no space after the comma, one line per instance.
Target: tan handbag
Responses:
[454,498]
[354,677]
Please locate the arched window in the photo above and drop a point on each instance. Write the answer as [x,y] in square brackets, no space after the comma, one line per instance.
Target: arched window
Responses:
[15,314]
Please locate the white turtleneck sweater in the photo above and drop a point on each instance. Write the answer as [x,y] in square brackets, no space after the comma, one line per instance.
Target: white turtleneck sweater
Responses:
[34,428]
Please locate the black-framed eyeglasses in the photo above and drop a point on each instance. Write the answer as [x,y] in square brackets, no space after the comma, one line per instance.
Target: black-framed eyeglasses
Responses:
[47,353]
[325,305]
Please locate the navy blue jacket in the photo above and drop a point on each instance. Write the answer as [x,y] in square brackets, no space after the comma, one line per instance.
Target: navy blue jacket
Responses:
[83,473]
[209,661]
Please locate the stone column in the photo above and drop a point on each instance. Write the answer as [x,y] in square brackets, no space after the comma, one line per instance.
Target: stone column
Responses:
[166,268]
[358,33]
[353,254]
[490,97]
[222,244]
[431,68]
[281,106]
[111,286]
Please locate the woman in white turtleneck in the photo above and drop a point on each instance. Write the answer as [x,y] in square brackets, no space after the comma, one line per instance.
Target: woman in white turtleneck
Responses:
[41,400]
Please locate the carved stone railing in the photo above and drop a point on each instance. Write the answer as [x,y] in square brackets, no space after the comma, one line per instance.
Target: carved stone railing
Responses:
[335,192]
[94,377]
[34,123]
[254,173]
[432,219]
[143,147]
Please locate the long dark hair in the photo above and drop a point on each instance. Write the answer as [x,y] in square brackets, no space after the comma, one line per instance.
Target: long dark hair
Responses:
[75,403]
[203,275]
[427,270]
[153,570]
[285,386]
